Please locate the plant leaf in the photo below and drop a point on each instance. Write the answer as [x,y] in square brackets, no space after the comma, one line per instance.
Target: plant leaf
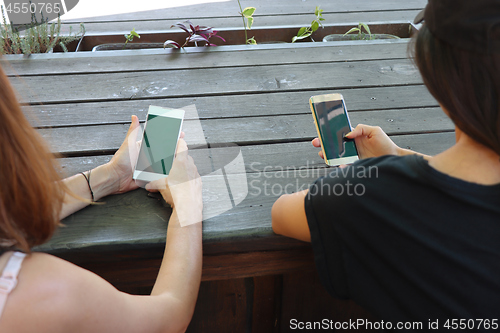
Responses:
[251,41]
[352,30]
[305,35]
[314,26]
[198,38]
[367,28]
[249,22]
[301,31]
[316,11]
[181,26]
[248,12]
[134,33]
[171,44]
[215,35]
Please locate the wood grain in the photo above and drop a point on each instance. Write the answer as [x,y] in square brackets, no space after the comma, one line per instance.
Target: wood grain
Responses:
[245,131]
[266,8]
[216,81]
[248,105]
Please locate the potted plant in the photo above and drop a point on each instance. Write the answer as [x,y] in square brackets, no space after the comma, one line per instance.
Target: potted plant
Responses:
[356,33]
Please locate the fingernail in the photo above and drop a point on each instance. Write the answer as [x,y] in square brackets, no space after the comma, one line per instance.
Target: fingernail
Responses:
[349,133]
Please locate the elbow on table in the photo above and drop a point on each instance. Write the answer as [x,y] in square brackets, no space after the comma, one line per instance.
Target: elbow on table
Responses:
[277,216]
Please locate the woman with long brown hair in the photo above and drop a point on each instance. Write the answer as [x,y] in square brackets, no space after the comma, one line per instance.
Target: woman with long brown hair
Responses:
[41,293]
[422,240]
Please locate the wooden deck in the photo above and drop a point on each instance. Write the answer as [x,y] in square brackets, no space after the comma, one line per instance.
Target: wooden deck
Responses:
[253,96]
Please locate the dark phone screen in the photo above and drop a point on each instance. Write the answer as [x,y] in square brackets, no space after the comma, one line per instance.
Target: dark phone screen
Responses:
[334,125]
[159,144]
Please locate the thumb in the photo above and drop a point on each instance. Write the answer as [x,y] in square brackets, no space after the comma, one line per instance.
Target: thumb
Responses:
[360,130]
[182,148]
[133,125]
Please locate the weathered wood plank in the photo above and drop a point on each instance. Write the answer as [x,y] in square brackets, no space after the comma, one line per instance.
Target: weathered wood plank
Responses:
[357,99]
[264,8]
[141,25]
[102,62]
[244,131]
[215,81]
[138,218]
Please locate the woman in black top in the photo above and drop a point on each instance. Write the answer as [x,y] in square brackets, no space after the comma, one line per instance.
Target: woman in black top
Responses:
[420,239]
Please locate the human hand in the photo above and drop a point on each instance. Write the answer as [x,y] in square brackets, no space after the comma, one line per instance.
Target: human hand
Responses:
[121,166]
[371,141]
[182,187]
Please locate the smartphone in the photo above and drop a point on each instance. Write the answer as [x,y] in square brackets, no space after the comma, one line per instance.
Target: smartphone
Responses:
[332,123]
[159,142]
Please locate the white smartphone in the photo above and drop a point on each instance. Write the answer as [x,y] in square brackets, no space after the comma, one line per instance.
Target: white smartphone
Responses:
[332,123]
[159,142]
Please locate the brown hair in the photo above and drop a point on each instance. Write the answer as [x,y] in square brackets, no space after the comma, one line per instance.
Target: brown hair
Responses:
[31,193]
[465,83]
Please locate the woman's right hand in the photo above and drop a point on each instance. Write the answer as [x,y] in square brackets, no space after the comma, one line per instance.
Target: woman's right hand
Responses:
[371,141]
[182,187]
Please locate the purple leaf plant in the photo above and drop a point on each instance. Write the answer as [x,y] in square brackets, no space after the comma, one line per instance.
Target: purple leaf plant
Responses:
[195,34]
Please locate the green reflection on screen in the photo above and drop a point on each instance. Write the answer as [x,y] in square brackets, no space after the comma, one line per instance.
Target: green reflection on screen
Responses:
[158,147]
[333,126]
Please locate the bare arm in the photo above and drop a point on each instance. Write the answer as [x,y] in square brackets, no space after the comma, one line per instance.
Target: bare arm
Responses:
[289,216]
[110,178]
[183,252]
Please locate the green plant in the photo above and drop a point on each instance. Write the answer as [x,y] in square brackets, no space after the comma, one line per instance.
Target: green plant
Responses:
[130,37]
[360,34]
[195,34]
[305,32]
[38,38]
[247,13]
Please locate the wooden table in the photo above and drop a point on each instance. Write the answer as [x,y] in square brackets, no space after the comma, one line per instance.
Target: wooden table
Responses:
[254,97]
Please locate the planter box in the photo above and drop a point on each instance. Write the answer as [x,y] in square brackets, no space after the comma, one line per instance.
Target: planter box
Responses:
[236,36]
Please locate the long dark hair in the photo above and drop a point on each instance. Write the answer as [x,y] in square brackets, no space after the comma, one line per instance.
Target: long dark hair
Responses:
[31,193]
[466,84]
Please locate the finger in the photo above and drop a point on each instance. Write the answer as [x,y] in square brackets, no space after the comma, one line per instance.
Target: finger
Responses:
[156,185]
[342,166]
[182,135]
[320,153]
[316,143]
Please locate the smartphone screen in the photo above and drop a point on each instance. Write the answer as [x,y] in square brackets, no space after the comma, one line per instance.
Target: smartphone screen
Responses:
[159,142]
[332,123]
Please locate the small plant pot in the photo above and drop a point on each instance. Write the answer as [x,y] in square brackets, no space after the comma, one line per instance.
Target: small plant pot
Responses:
[128,46]
[339,37]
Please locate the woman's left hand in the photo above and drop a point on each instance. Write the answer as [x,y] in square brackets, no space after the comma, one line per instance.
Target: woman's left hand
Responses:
[121,166]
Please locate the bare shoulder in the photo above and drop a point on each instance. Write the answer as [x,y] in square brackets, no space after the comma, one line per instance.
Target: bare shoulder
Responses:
[42,300]
[53,295]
